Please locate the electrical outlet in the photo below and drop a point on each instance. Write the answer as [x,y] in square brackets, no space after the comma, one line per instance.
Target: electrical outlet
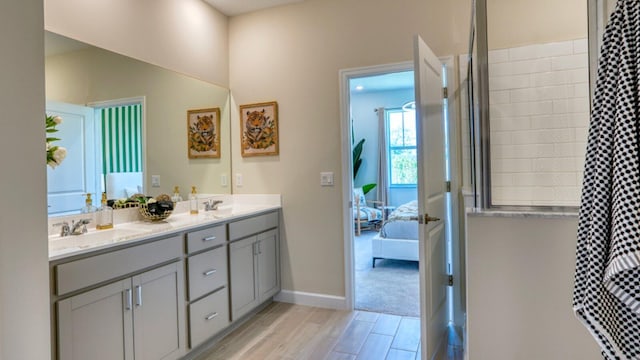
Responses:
[155,180]
[223,180]
[238,180]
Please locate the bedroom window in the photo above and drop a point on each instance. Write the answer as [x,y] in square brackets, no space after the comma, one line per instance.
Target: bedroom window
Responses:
[402,152]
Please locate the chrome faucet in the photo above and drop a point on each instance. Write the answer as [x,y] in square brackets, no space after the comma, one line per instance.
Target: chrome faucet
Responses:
[75,226]
[212,204]
[65,230]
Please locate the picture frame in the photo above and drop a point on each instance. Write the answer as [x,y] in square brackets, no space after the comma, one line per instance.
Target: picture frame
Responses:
[259,129]
[203,133]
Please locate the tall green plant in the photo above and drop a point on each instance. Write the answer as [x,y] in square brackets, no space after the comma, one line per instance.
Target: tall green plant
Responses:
[357,161]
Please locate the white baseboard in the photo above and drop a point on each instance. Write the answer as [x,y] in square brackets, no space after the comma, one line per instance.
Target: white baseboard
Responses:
[312,299]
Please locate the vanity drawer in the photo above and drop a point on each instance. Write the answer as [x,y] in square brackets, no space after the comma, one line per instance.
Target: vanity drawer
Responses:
[251,226]
[208,316]
[82,273]
[206,238]
[207,271]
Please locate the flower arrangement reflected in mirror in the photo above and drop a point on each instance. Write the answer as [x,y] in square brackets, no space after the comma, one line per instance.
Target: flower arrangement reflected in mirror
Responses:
[55,154]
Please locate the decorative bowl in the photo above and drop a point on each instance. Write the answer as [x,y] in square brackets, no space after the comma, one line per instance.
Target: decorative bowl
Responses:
[150,215]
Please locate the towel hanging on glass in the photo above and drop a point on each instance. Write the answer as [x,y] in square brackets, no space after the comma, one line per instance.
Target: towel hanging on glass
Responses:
[607,280]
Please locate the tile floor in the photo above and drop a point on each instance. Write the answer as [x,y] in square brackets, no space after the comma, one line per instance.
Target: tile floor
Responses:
[287,331]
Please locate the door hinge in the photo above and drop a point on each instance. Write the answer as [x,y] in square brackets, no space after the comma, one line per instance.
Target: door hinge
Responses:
[450,280]
[448,185]
[445,93]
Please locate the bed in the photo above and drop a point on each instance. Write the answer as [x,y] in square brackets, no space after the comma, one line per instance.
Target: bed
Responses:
[398,237]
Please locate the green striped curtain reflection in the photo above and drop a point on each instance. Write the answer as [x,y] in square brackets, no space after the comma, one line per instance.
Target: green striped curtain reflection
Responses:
[122,139]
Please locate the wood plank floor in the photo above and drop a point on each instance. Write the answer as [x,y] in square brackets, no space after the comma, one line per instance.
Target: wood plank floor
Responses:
[287,331]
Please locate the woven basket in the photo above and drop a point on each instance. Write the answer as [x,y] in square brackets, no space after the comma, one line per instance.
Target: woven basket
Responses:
[126,205]
[144,211]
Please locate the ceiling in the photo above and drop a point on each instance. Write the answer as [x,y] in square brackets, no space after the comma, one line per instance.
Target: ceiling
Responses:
[386,82]
[237,7]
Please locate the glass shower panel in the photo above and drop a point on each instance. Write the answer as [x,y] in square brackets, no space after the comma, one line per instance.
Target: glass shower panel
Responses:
[538,77]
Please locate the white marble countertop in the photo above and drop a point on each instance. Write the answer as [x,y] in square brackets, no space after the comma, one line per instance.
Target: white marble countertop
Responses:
[521,213]
[127,232]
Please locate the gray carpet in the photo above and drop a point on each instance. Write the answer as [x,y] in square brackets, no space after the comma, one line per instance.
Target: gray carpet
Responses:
[391,287]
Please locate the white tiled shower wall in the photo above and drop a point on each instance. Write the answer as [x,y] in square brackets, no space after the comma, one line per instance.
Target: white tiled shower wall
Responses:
[539,117]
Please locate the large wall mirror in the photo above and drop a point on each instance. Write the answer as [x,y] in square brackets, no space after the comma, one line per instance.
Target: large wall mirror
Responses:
[124,124]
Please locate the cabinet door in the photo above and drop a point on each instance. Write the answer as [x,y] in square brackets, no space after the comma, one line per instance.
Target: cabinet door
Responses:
[244,295]
[158,302]
[97,324]
[268,264]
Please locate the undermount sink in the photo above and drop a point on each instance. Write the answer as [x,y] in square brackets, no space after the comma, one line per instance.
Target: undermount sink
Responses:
[91,238]
[222,211]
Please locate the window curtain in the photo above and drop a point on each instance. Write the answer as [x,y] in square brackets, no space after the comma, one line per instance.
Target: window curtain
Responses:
[122,139]
[383,178]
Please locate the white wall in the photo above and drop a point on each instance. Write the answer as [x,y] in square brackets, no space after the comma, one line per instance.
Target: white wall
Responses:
[292,54]
[539,105]
[519,290]
[187,36]
[24,272]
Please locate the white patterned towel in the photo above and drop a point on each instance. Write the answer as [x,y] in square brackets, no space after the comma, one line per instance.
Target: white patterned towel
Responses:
[606,295]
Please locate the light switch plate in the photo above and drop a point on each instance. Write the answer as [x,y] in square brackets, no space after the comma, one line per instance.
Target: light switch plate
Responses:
[238,180]
[223,180]
[326,178]
[155,180]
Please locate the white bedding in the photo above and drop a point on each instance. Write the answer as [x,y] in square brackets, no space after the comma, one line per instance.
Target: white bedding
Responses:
[402,223]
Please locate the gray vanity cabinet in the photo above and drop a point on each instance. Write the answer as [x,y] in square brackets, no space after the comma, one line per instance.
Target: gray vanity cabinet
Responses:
[254,271]
[135,318]
[207,278]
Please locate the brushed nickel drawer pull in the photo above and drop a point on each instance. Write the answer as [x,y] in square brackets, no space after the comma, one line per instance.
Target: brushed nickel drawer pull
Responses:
[138,295]
[210,272]
[211,316]
[128,299]
[209,238]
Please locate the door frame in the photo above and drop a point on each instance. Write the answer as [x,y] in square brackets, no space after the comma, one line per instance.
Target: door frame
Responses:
[347,179]
[457,251]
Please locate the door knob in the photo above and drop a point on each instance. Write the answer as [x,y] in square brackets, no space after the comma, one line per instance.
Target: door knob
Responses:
[425,219]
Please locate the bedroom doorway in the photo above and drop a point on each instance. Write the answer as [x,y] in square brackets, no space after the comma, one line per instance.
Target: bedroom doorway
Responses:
[356,245]
[383,123]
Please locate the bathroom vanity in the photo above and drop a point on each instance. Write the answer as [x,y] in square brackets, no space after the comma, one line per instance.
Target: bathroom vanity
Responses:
[162,290]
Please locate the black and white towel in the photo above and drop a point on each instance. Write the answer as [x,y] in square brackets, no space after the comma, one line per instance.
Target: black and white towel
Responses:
[607,281]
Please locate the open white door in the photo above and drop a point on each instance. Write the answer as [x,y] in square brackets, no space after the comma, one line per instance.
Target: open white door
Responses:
[68,183]
[431,199]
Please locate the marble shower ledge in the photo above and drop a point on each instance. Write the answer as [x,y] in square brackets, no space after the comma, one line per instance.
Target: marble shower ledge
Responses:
[522,213]
[129,229]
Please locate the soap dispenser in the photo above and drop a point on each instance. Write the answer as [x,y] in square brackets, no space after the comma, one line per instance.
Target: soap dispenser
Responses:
[176,195]
[88,207]
[104,216]
[193,201]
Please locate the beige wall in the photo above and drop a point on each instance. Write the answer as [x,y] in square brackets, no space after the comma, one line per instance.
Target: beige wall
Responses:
[292,55]
[188,36]
[24,273]
[513,23]
[519,290]
[94,75]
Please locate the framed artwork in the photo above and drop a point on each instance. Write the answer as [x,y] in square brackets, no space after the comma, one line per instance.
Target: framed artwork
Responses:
[203,132]
[259,129]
